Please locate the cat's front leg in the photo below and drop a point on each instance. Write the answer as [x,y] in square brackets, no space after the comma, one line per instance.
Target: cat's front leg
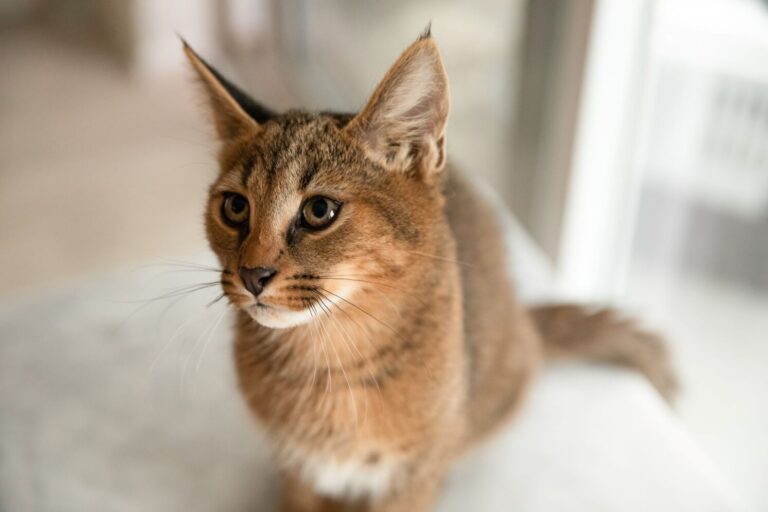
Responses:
[419,495]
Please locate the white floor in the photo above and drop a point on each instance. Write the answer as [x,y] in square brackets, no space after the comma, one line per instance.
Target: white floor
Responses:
[719,334]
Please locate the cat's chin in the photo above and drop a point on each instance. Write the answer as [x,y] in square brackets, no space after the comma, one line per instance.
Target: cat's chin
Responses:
[278,318]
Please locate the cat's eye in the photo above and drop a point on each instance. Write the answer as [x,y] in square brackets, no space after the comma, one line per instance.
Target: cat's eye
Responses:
[235,210]
[319,212]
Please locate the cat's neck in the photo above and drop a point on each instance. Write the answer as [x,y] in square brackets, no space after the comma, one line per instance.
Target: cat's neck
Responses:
[354,331]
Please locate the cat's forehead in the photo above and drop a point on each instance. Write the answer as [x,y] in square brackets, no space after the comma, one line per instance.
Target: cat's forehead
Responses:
[289,153]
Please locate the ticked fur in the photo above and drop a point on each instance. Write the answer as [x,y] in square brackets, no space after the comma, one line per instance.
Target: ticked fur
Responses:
[391,340]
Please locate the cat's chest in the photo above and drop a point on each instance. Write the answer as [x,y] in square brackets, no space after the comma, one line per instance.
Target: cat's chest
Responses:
[351,477]
[340,457]
[365,472]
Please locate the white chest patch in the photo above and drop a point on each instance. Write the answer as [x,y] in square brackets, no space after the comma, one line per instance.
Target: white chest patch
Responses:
[352,478]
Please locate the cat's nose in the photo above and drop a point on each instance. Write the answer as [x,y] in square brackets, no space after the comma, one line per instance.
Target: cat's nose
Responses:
[256,278]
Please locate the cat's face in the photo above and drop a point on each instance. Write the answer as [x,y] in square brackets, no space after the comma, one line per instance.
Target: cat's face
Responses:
[299,213]
[308,208]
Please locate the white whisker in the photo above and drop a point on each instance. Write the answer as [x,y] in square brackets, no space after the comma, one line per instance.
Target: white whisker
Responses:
[208,339]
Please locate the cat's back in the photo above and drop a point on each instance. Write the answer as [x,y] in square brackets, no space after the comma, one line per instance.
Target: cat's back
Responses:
[501,342]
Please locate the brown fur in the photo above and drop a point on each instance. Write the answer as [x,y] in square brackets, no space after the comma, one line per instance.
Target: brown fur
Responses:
[413,345]
[601,335]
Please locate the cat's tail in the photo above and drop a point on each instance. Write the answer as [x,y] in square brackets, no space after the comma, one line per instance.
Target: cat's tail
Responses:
[571,331]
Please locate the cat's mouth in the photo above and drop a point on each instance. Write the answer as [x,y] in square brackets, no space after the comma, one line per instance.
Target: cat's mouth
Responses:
[295,304]
[261,305]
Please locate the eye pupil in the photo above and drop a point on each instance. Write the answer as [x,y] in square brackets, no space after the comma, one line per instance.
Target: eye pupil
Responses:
[319,208]
[235,210]
[238,204]
[318,213]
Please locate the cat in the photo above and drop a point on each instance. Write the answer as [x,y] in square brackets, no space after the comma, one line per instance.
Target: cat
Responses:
[378,336]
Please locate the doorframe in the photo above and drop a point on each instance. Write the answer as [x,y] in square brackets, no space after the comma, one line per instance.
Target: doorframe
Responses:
[603,186]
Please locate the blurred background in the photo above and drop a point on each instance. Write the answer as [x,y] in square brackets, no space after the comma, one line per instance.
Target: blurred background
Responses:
[629,137]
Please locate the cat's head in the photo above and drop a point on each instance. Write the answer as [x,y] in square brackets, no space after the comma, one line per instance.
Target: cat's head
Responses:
[308,207]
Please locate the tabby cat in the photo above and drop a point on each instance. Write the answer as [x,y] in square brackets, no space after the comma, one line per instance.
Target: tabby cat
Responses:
[378,335]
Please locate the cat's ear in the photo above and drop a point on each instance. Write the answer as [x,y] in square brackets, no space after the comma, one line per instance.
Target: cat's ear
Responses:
[234,112]
[403,125]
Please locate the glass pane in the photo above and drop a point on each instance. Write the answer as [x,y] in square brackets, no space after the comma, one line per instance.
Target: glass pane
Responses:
[700,260]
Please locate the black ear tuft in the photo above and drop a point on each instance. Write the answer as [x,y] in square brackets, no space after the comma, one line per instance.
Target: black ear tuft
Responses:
[427,32]
[258,112]
[255,110]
